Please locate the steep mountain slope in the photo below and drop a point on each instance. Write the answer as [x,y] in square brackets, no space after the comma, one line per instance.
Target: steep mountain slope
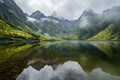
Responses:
[12,14]
[112,14]
[53,26]
[112,32]
[96,23]
[12,17]
[88,18]
[8,32]
[88,25]
[111,20]
[38,15]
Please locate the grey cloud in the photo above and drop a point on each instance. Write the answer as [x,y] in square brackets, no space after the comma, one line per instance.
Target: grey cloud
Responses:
[70,9]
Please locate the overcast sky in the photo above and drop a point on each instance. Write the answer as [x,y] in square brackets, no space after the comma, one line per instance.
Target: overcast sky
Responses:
[70,9]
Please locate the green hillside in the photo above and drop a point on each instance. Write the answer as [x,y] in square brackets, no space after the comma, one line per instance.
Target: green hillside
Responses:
[6,31]
[9,32]
[13,15]
[110,33]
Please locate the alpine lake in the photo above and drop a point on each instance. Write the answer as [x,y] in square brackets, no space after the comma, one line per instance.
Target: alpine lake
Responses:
[60,60]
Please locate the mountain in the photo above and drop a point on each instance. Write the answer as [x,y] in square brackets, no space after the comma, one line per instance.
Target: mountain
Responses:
[38,15]
[111,20]
[12,17]
[88,18]
[53,25]
[86,26]
[89,24]
[112,14]
[8,32]
[11,13]
[54,14]
[112,32]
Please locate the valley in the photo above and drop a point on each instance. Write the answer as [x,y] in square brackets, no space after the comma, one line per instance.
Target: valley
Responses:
[89,26]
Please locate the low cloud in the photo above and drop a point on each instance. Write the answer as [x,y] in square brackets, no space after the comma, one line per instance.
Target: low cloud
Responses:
[65,8]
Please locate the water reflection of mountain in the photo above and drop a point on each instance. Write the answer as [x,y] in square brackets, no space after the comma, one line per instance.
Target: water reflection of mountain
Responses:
[70,70]
[13,59]
[89,55]
[110,48]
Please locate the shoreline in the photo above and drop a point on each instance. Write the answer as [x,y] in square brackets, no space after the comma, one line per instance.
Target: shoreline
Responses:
[8,41]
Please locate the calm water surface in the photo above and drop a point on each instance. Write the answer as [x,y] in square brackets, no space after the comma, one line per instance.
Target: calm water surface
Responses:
[65,60]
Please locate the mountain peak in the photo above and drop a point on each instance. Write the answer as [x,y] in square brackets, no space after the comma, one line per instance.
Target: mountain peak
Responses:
[37,11]
[38,15]
[88,11]
[54,14]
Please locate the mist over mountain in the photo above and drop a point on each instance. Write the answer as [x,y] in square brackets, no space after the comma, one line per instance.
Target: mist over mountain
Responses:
[38,15]
[68,9]
[55,35]
[88,25]
[13,19]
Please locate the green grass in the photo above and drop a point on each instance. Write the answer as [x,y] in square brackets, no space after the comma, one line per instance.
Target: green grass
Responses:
[6,31]
[112,32]
[9,32]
